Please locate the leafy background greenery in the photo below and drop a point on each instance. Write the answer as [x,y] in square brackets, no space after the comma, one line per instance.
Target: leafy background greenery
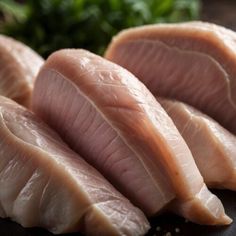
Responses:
[48,25]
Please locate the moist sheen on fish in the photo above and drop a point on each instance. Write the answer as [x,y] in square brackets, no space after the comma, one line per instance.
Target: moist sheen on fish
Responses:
[19,66]
[111,118]
[192,62]
[43,183]
[212,146]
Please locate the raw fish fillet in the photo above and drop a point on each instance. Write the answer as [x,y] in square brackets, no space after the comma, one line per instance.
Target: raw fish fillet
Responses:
[44,183]
[19,66]
[212,146]
[110,117]
[192,62]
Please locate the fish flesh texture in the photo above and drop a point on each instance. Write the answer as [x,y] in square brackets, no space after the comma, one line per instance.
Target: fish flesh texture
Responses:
[213,147]
[44,183]
[191,62]
[108,116]
[19,66]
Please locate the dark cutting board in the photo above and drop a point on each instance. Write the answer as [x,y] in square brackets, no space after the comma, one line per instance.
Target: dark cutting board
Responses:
[162,225]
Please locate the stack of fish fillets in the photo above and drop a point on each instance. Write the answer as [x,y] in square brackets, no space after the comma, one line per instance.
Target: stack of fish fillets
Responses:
[106,143]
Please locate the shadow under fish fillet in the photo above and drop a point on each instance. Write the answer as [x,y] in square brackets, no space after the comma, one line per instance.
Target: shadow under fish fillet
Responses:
[212,146]
[44,183]
[19,66]
[110,117]
[192,62]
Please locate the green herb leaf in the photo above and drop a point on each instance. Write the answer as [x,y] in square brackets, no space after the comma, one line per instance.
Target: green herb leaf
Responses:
[48,25]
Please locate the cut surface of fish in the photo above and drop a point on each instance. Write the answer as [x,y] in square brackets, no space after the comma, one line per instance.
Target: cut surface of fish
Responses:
[212,146]
[44,183]
[19,66]
[106,114]
[192,62]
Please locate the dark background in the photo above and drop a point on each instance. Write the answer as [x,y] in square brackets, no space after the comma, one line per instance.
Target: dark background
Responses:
[222,12]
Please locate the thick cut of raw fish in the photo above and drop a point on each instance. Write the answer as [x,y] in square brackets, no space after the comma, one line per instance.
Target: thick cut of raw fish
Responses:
[192,62]
[110,117]
[212,146]
[44,183]
[19,66]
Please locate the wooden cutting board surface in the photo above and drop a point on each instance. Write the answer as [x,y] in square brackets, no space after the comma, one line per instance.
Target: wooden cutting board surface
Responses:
[162,225]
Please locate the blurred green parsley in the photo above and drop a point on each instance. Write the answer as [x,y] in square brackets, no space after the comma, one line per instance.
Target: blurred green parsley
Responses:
[48,25]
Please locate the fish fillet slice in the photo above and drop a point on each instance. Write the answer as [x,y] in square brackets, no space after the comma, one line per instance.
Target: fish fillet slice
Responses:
[96,139]
[192,62]
[19,66]
[139,121]
[44,183]
[212,146]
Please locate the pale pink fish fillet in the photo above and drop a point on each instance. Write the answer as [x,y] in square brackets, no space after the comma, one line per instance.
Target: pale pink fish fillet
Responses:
[192,62]
[44,183]
[19,66]
[76,89]
[96,139]
[212,146]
